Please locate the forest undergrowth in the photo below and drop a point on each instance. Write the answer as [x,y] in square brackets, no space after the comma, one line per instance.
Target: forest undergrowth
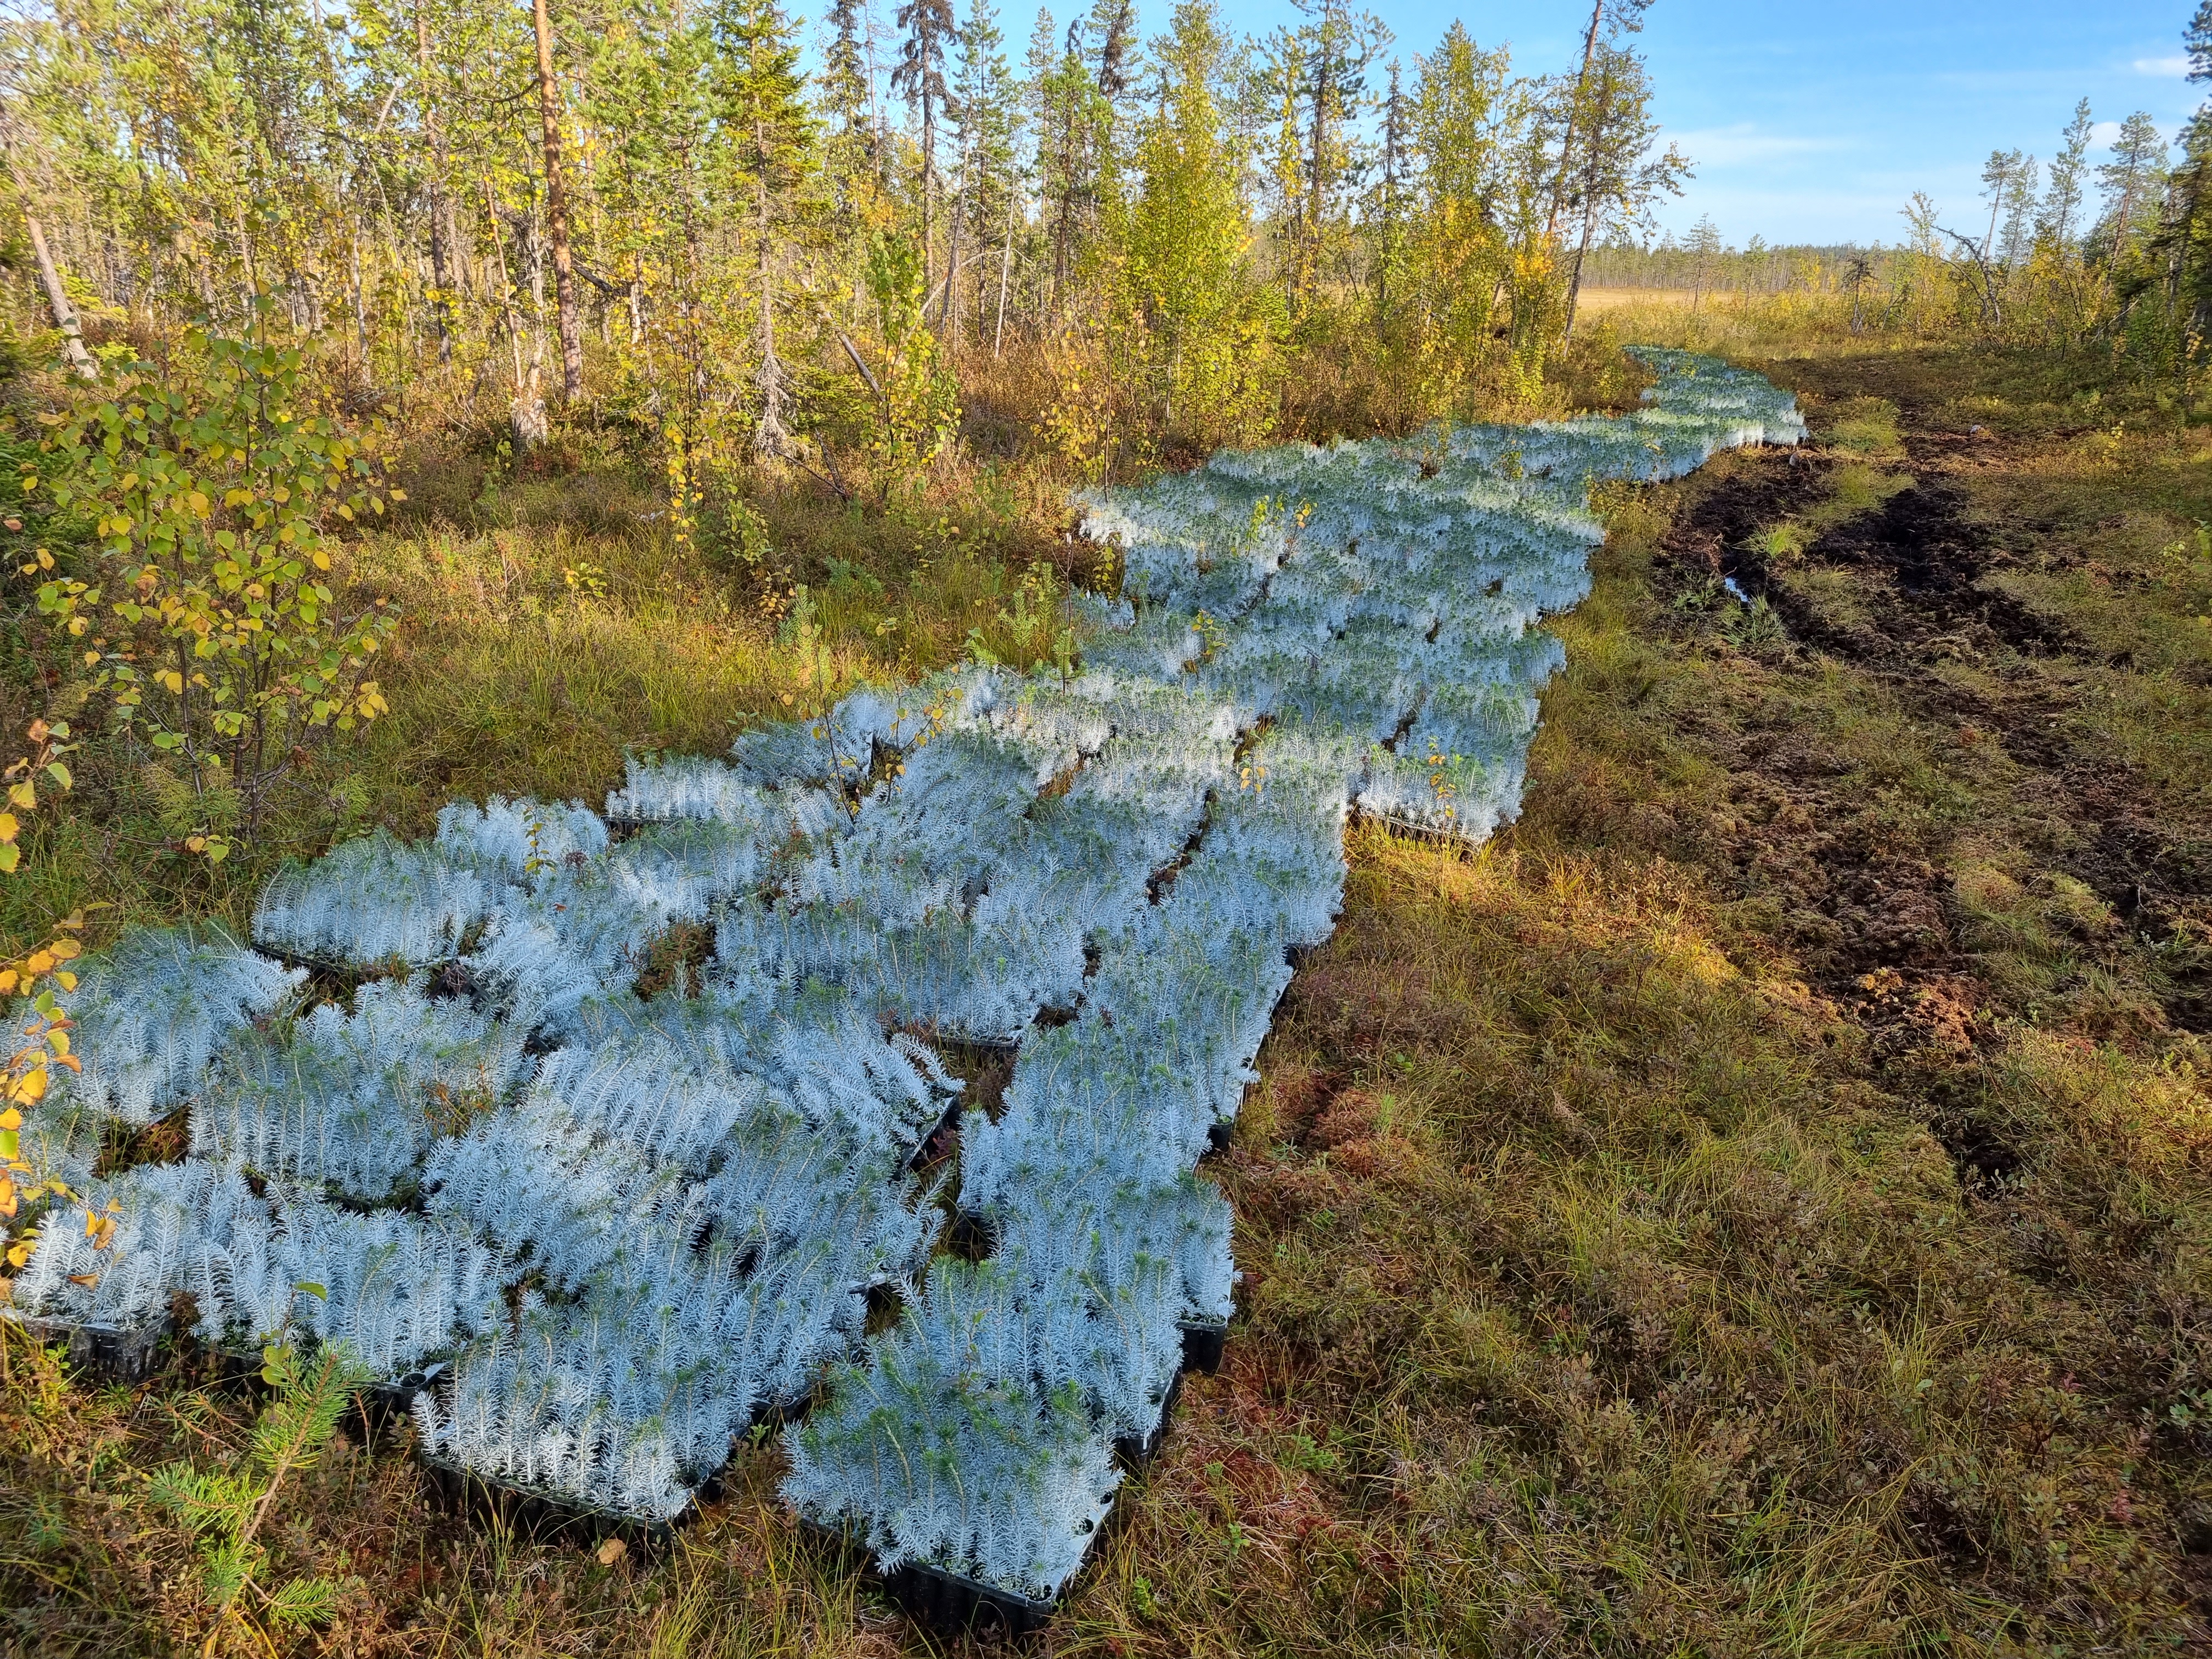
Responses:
[1754,1204]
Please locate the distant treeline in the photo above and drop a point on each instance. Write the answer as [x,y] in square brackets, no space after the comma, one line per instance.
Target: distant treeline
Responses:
[2110,246]
[652,208]
[1708,265]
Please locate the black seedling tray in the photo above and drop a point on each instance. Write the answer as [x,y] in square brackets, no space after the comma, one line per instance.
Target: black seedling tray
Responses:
[1220,1134]
[973,1234]
[377,1406]
[108,1353]
[951,1605]
[946,1602]
[542,1517]
[373,1407]
[938,1140]
[234,1372]
[1202,1345]
[1421,833]
[1137,1450]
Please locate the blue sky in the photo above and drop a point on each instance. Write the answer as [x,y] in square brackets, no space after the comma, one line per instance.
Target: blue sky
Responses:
[1815,123]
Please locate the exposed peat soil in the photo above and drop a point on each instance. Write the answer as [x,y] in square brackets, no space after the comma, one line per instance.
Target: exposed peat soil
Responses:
[1872,918]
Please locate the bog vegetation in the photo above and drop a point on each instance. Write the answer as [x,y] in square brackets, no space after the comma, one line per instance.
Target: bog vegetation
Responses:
[1754,1206]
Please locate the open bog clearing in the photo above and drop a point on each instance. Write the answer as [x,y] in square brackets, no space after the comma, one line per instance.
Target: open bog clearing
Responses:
[1142,833]
[596,1243]
[1597,301]
[1751,1198]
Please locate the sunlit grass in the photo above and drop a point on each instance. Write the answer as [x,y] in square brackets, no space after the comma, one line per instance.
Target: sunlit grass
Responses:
[1616,1276]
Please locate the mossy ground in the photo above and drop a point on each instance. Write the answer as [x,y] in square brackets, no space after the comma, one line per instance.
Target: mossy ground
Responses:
[1756,1205]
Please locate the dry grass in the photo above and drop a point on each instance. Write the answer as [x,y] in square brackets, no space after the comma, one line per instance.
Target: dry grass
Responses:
[1757,1206]
[1600,302]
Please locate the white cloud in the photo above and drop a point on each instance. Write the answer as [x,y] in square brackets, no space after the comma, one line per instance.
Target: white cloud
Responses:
[2172,69]
[2105,132]
[1744,141]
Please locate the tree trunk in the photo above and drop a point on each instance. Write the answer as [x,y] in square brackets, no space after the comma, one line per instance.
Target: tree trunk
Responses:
[58,297]
[526,413]
[1005,271]
[1582,252]
[556,215]
[1567,138]
[441,306]
[1310,253]
[949,315]
[1594,138]
[245,260]
[360,312]
[769,437]
[928,180]
[1060,243]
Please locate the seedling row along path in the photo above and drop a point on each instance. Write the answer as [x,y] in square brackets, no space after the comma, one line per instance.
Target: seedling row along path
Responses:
[599,1235]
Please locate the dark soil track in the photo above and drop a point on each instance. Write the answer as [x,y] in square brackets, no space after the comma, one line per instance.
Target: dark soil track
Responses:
[1874,918]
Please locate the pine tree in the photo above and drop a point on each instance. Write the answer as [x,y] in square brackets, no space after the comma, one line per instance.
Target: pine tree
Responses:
[2131,181]
[1705,247]
[847,105]
[920,75]
[2196,41]
[1996,182]
[760,91]
[2058,224]
[1388,211]
[1071,124]
[2184,242]
[1113,28]
[1323,65]
[556,212]
[2017,234]
[1616,174]
[1620,17]
[1281,87]
[990,115]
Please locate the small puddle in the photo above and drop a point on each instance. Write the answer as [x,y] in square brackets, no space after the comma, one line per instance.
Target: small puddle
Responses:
[1729,582]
